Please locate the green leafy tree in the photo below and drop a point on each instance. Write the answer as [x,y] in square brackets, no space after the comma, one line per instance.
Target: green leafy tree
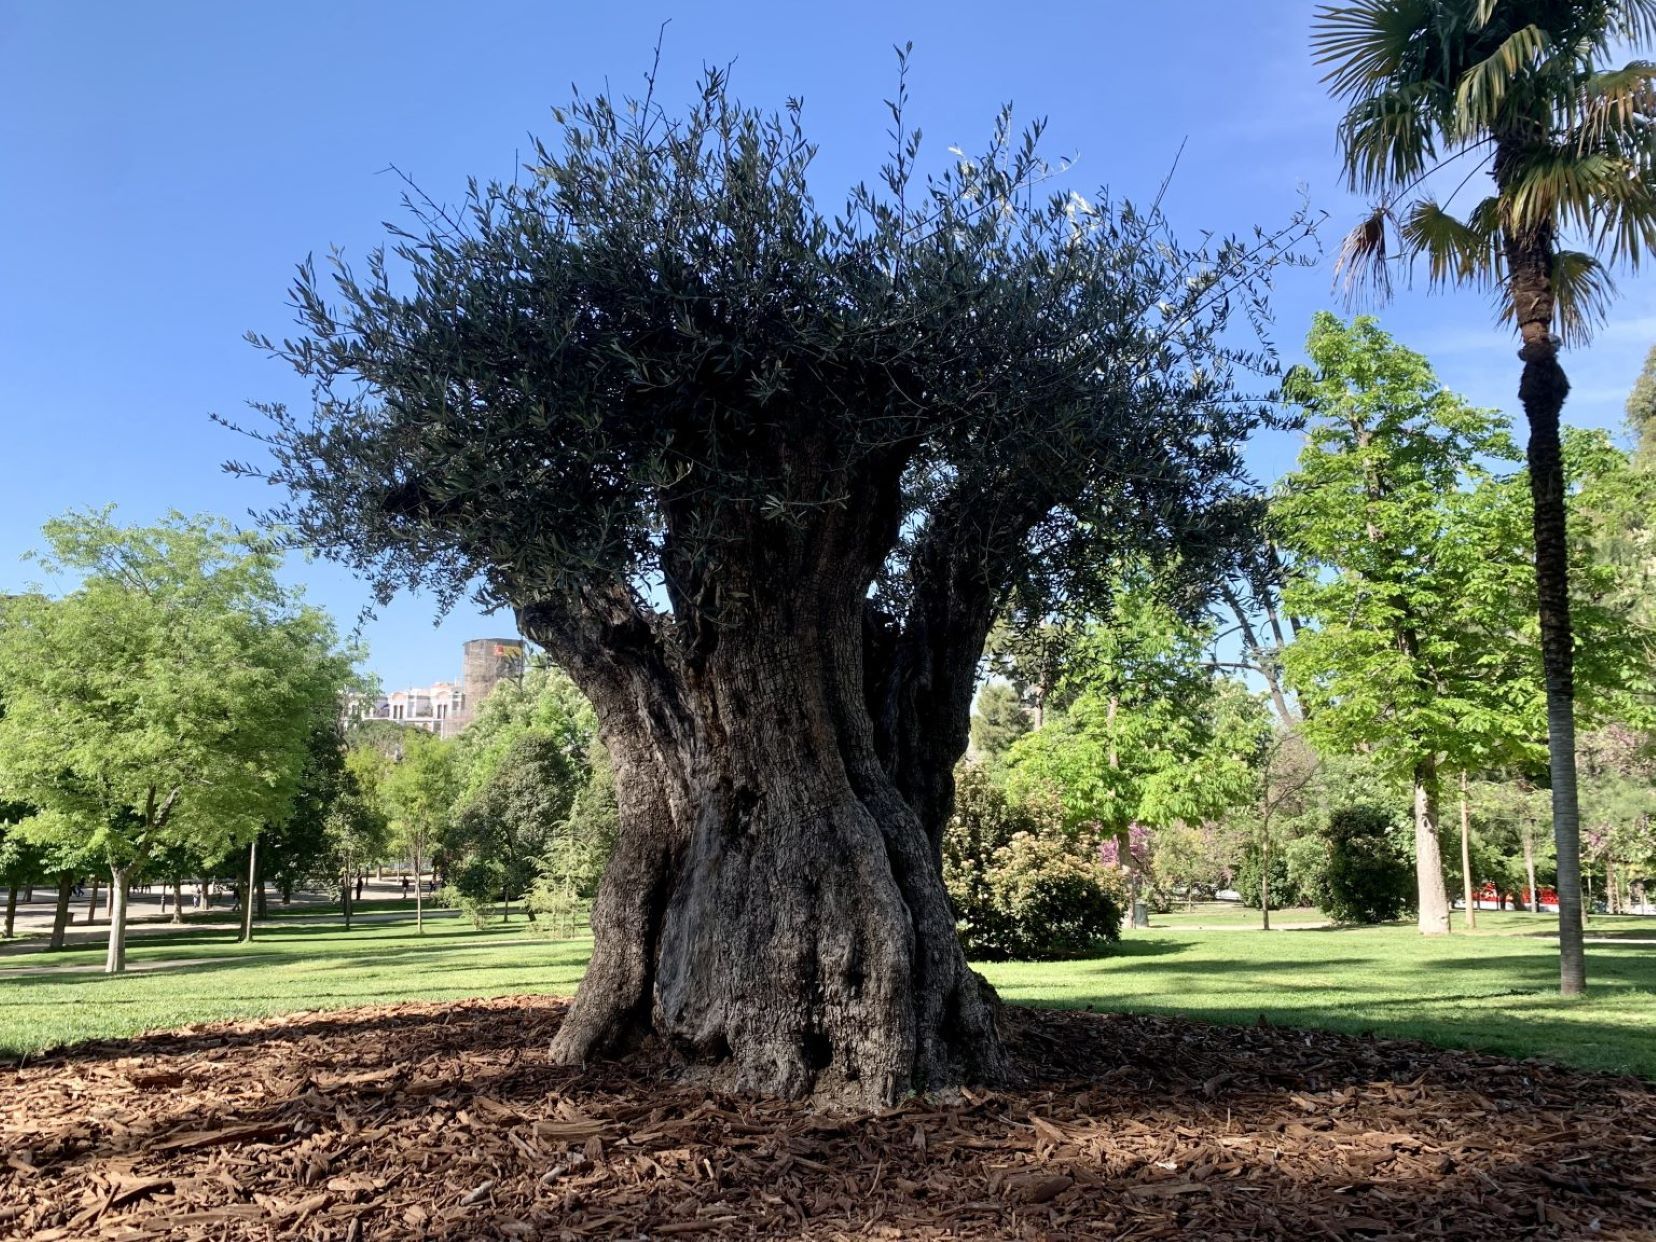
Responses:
[167,698]
[1526,89]
[1152,739]
[760,478]
[1410,595]
[298,848]
[420,789]
[22,861]
[358,830]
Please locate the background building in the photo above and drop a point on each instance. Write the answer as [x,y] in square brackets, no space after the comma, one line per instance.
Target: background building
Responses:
[446,707]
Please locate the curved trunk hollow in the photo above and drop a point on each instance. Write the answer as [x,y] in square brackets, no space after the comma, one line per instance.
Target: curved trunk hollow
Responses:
[773,908]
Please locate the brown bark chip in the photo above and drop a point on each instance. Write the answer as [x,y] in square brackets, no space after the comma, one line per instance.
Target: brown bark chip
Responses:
[452,1121]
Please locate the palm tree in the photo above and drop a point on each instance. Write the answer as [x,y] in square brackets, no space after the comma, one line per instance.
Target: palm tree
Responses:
[1516,89]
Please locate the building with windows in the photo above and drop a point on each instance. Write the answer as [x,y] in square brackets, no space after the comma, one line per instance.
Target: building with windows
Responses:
[447,707]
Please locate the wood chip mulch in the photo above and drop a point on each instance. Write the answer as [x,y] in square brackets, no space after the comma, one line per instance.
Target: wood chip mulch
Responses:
[449,1121]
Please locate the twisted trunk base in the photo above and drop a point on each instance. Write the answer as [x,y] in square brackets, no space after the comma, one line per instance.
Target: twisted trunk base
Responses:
[774,908]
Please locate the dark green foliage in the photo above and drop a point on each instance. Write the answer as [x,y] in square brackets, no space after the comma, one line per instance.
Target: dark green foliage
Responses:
[999,721]
[496,839]
[1023,888]
[298,849]
[1641,411]
[1367,879]
[1284,892]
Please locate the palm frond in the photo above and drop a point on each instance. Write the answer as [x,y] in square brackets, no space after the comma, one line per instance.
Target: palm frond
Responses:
[1635,20]
[1582,293]
[1615,106]
[1553,186]
[1389,139]
[1483,87]
[1482,11]
[1457,252]
[1624,219]
[1365,41]
[1364,262]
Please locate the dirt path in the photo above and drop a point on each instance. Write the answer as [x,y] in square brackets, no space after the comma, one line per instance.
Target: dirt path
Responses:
[449,1121]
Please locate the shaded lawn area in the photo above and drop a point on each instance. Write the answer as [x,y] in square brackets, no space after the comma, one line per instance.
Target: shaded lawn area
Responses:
[1490,990]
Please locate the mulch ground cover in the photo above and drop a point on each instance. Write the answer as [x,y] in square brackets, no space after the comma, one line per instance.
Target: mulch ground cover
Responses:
[449,1121]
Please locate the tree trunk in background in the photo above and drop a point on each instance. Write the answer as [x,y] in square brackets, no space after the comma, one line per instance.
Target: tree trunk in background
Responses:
[178,901]
[115,958]
[247,892]
[92,906]
[1466,854]
[419,908]
[1433,895]
[261,909]
[345,899]
[11,910]
[1529,871]
[60,918]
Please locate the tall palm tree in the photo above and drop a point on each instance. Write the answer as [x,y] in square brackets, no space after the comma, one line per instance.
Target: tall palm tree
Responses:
[1519,90]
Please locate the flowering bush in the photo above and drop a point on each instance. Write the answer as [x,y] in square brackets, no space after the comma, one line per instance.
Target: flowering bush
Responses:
[1021,886]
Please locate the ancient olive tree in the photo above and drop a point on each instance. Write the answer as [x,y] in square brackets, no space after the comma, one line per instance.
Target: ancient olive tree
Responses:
[760,480]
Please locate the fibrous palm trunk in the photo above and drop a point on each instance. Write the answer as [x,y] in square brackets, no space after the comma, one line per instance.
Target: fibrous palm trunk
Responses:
[1542,391]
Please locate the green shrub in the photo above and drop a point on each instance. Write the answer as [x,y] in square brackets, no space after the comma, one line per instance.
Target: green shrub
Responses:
[1367,878]
[1284,892]
[1021,887]
[1306,859]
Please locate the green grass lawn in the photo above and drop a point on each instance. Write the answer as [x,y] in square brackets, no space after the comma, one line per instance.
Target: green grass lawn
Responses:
[1492,989]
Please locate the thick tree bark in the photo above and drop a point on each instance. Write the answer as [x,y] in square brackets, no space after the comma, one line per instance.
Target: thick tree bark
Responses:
[1433,895]
[115,957]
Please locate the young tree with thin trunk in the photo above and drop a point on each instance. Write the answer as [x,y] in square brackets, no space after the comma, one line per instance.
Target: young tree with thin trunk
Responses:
[1401,654]
[760,480]
[420,789]
[1525,91]
[163,700]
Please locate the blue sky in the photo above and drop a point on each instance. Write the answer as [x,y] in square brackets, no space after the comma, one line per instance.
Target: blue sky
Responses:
[166,164]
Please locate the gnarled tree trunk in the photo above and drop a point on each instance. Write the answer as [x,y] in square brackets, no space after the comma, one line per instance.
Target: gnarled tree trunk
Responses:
[775,906]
